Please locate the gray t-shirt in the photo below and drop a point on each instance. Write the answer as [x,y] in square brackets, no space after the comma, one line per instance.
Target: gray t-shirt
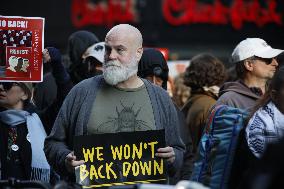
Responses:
[121,110]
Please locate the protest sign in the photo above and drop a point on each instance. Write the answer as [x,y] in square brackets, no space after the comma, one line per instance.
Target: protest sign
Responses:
[120,158]
[21,46]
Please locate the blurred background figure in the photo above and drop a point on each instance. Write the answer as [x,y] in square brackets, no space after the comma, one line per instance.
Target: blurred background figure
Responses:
[171,87]
[204,76]
[182,92]
[78,43]
[93,59]
[262,150]
[46,91]
[255,64]
[231,74]
[266,124]
[50,93]
[280,59]
[153,66]
[22,135]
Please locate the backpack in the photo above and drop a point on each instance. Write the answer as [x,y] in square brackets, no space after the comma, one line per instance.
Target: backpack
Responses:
[218,145]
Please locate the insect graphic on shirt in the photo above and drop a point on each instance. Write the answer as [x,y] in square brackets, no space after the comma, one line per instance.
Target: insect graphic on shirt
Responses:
[126,120]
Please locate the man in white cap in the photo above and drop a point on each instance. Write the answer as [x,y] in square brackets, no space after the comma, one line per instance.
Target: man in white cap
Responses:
[255,64]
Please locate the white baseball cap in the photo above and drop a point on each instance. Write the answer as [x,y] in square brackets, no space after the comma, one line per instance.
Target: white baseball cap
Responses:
[97,51]
[253,47]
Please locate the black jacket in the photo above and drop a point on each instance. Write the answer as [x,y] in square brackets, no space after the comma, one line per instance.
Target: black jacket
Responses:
[15,163]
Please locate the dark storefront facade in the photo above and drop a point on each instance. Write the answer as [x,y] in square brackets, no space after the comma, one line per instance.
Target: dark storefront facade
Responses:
[185,27]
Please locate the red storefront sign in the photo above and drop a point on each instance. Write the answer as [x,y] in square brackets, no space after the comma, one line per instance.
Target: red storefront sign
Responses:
[177,12]
[239,12]
[107,13]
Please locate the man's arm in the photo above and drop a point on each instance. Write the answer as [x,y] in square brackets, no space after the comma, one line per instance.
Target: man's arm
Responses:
[175,148]
[55,146]
[58,144]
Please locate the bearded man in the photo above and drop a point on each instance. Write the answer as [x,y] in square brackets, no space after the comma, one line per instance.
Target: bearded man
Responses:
[118,101]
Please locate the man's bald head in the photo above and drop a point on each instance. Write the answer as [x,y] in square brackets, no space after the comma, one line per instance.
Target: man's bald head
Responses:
[128,31]
[123,51]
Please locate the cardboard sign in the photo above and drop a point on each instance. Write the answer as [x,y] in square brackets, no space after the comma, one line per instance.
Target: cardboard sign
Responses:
[120,158]
[21,46]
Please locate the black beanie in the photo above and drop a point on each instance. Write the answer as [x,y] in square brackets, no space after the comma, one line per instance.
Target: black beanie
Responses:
[153,63]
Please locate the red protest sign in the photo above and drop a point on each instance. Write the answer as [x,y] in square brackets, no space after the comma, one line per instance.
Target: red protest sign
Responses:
[21,46]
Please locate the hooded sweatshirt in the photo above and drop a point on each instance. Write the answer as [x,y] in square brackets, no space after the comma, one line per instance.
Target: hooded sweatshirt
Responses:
[78,43]
[238,95]
[153,63]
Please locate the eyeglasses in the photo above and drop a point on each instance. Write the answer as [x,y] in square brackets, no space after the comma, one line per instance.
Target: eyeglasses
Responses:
[8,85]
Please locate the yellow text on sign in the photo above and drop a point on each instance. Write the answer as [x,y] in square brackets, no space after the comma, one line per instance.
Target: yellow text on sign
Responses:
[132,151]
[135,168]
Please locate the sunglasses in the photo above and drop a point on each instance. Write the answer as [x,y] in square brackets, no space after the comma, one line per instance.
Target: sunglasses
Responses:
[267,61]
[91,60]
[8,85]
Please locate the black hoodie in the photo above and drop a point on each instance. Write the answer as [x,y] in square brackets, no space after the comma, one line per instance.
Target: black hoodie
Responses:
[78,43]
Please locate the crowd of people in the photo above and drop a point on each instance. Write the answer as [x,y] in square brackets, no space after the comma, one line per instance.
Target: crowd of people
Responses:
[77,97]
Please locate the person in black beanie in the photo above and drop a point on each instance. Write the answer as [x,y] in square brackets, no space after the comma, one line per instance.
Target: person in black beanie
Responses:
[153,66]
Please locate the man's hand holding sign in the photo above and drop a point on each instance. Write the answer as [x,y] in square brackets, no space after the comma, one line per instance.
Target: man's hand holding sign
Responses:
[71,162]
[120,158]
[168,153]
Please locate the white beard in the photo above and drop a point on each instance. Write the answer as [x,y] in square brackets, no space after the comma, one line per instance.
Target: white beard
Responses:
[114,72]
